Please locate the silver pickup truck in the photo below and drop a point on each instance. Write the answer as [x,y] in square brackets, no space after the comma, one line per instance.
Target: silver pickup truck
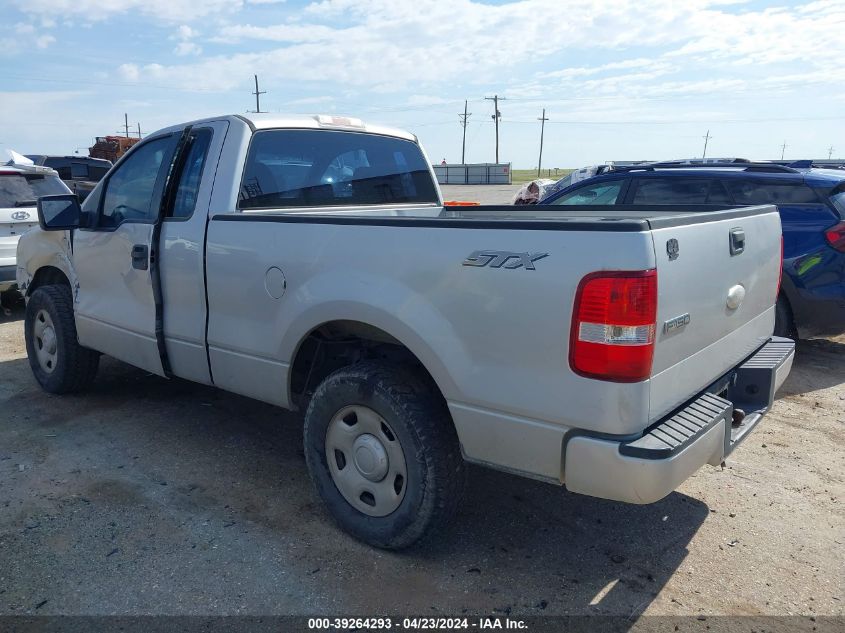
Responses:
[310,263]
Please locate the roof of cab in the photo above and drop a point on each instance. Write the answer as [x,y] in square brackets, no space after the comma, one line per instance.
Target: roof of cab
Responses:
[322,122]
[268,121]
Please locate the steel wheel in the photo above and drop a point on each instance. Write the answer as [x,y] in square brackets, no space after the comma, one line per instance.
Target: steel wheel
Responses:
[44,341]
[366,460]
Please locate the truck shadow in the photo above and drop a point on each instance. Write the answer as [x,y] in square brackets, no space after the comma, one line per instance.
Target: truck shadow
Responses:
[590,556]
[517,546]
[819,364]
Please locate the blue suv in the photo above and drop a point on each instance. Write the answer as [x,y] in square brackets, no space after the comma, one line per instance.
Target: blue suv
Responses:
[811,201]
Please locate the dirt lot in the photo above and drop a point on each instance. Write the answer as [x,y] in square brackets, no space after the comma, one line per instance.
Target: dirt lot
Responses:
[149,496]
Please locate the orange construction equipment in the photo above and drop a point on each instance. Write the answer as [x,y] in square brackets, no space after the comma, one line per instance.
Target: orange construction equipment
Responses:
[111,147]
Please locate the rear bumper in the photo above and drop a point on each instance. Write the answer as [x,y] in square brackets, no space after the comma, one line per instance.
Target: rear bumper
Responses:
[648,468]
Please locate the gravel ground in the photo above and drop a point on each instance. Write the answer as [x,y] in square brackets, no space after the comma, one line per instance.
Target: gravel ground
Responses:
[149,496]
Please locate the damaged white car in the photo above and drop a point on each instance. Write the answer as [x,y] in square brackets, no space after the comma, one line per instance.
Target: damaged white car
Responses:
[21,184]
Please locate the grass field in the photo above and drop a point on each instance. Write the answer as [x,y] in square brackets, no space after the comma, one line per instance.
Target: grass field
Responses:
[526,175]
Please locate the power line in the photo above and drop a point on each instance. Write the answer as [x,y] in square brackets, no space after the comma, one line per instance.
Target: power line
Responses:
[542,121]
[464,118]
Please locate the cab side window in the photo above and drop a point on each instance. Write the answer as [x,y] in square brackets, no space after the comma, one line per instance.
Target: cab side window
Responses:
[599,193]
[185,198]
[133,191]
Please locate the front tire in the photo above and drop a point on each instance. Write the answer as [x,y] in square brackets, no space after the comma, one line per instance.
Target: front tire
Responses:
[383,454]
[59,363]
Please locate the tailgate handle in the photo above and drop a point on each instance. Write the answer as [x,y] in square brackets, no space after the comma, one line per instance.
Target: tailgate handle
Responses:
[140,253]
[737,241]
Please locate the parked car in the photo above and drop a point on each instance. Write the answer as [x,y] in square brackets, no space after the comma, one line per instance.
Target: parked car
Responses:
[232,252]
[80,173]
[20,187]
[811,202]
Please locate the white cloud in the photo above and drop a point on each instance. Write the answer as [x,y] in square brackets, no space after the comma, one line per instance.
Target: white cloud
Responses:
[43,41]
[187,48]
[98,10]
[185,32]
[277,33]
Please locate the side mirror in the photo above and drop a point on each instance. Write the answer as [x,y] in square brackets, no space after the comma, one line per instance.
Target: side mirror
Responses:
[59,213]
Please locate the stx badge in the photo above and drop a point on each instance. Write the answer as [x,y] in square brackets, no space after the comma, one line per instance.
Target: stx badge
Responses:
[503,259]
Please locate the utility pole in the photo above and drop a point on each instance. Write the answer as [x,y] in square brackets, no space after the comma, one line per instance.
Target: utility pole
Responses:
[257,93]
[706,138]
[463,117]
[126,124]
[139,130]
[496,117]
[782,150]
[542,121]
[830,151]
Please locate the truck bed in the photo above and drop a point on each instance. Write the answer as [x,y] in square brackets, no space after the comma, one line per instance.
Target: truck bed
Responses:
[495,338]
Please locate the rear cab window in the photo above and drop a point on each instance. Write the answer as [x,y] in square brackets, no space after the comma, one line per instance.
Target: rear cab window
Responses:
[305,168]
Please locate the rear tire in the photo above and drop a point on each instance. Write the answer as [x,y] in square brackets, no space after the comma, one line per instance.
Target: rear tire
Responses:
[383,454]
[59,363]
[784,324]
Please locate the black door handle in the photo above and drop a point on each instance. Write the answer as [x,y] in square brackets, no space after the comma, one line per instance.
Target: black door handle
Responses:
[140,257]
[737,241]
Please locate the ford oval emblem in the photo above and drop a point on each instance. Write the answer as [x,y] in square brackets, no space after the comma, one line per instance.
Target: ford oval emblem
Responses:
[20,215]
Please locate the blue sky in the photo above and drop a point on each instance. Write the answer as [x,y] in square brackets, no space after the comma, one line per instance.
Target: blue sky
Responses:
[621,79]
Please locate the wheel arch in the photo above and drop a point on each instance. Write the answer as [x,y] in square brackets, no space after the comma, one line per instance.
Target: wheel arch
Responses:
[44,258]
[47,275]
[339,342]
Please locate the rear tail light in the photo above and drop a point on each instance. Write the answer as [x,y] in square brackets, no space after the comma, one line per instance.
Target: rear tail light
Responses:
[613,325]
[835,236]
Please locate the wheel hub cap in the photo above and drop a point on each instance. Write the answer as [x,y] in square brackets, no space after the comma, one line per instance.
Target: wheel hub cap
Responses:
[366,460]
[370,457]
[44,341]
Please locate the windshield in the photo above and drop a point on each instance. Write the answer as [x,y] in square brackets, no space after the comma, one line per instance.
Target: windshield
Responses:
[22,190]
[288,168]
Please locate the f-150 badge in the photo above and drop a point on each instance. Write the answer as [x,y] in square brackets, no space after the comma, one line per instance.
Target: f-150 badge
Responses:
[503,259]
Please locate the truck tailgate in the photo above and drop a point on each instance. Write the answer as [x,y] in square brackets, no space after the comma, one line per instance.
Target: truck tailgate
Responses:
[717,285]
